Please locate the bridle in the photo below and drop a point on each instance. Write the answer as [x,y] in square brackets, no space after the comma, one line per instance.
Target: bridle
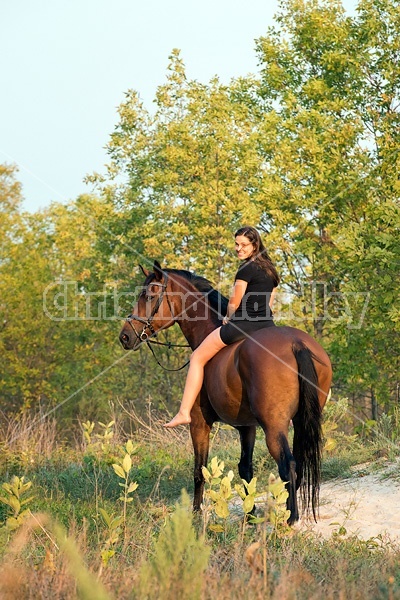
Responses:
[147,324]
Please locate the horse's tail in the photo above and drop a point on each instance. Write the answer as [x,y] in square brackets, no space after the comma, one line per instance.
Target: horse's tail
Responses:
[307,441]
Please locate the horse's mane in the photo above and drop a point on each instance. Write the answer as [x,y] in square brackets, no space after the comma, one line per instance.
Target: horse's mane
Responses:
[217,301]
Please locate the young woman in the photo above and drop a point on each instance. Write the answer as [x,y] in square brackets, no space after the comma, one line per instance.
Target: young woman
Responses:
[249,309]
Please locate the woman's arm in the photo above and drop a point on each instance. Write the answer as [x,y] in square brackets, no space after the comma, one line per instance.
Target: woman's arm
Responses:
[237,294]
[271,300]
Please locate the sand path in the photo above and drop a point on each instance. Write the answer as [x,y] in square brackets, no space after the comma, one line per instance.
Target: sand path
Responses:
[367,505]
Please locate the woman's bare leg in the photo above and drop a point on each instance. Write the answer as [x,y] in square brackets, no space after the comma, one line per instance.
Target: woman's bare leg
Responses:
[194,379]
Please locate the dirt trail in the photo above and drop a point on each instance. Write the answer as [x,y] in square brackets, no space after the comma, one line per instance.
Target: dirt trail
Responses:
[367,505]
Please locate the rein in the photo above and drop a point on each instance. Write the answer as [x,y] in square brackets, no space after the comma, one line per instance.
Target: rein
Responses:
[149,342]
[147,324]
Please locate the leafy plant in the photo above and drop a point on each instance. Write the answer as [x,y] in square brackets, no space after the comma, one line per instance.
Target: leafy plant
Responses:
[123,468]
[336,412]
[219,492]
[113,524]
[88,427]
[15,498]
[248,494]
[176,566]
[277,495]
[98,441]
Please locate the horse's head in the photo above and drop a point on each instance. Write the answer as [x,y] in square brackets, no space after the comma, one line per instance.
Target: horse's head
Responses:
[152,311]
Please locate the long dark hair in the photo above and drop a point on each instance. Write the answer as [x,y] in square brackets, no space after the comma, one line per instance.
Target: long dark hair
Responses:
[260,255]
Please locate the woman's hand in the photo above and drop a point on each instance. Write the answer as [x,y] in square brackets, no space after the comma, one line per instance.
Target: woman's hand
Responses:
[225,320]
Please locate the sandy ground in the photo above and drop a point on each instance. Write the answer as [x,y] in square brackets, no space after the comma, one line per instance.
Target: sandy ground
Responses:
[367,505]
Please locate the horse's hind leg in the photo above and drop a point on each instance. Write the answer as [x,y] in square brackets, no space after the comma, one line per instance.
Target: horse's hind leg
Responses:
[247,440]
[278,446]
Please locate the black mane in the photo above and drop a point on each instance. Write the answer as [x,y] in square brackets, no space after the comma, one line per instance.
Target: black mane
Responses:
[217,301]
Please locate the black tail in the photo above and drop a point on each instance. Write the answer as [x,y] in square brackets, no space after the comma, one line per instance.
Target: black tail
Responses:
[307,441]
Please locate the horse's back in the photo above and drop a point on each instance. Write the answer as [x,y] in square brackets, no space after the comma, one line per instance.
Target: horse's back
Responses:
[262,369]
[275,342]
[268,356]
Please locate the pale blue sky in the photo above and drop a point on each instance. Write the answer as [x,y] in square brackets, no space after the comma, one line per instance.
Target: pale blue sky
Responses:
[67,63]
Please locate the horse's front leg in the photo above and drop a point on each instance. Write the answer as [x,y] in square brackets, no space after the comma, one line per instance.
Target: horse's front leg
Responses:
[247,441]
[200,433]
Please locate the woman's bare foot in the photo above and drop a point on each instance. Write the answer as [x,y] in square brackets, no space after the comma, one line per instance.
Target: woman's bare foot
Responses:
[179,419]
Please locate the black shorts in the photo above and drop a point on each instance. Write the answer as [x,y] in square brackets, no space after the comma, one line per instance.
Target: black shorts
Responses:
[234,331]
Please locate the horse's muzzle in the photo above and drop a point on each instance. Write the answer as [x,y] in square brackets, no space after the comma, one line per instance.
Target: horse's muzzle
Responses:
[128,340]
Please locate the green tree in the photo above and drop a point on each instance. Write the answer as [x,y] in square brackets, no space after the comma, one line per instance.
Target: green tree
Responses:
[62,297]
[332,85]
[188,171]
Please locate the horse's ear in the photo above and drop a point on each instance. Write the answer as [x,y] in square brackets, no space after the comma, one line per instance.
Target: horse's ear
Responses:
[145,272]
[157,270]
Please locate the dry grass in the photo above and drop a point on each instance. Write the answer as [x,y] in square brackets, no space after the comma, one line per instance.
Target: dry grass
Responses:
[40,560]
[29,435]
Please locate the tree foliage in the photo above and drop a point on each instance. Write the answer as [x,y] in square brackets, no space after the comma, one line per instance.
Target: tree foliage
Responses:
[60,314]
[307,150]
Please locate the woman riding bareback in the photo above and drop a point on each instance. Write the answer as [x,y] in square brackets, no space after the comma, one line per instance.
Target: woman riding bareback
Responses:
[249,309]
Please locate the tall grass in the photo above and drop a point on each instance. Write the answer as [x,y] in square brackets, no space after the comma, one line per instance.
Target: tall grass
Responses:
[67,548]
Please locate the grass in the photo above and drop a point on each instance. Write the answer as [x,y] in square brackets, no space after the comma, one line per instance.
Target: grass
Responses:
[66,549]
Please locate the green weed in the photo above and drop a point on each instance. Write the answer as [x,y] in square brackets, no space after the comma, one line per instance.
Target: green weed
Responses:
[176,566]
[123,469]
[219,493]
[15,498]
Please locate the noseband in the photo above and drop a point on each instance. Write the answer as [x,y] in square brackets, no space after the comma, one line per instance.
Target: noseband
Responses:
[147,323]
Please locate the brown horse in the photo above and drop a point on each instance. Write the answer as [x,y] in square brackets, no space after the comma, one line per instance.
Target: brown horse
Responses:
[276,375]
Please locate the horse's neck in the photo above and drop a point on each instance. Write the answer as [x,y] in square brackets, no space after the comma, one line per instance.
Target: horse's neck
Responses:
[196,334]
[194,317]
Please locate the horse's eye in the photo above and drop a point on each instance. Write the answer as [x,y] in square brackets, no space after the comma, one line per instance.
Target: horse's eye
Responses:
[146,295]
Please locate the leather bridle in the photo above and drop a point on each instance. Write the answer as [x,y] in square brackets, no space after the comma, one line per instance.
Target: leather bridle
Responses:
[147,323]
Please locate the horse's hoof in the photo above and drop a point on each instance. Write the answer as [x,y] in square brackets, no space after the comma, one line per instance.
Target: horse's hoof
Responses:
[293,519]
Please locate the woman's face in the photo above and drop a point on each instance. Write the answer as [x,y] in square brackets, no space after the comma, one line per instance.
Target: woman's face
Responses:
[243,246]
